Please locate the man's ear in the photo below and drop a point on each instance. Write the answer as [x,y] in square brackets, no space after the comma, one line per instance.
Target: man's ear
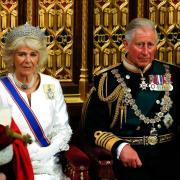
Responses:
[125,45]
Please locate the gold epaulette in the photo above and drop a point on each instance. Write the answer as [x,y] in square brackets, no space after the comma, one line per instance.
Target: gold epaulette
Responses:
[105,139]
[167,63]
[106,69]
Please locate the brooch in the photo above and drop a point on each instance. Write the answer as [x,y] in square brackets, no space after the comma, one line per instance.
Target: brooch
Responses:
[49,90]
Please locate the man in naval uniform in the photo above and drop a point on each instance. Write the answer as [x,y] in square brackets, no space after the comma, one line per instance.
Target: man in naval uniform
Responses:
[133,110]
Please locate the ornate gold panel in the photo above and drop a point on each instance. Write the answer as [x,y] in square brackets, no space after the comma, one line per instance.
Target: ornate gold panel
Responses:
[110,19]
[8,20]
[55,17]
[166,14]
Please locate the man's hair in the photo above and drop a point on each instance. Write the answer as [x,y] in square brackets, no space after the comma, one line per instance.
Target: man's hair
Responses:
[139,23]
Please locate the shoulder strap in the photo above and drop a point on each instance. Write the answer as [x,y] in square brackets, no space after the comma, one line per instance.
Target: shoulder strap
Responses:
[28,114]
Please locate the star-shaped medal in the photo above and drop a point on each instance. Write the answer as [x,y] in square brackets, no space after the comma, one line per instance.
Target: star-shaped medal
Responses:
[143,84]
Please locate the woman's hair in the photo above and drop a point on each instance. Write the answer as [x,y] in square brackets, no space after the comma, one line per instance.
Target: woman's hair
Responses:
[139,23]
[24,36]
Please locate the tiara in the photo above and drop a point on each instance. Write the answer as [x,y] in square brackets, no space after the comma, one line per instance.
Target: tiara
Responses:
[24,30]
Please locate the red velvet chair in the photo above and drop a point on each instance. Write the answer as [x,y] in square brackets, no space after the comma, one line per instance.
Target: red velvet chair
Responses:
[101,163]
[76,164]
[86,162]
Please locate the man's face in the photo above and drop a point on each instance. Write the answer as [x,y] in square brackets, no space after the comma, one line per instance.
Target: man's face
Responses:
[142,48]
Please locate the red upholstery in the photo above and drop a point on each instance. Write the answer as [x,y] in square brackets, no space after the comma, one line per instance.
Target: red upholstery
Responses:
[77,165]
[101,166]
[103,162]
[5,140]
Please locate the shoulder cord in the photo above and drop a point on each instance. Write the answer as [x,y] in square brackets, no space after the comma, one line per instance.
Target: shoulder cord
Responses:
[116,94]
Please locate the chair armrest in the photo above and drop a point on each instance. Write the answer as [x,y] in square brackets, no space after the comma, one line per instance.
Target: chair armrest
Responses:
[101,161]
[77,164]
[104,163]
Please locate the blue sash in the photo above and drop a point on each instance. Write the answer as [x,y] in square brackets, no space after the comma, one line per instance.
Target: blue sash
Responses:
[27,113]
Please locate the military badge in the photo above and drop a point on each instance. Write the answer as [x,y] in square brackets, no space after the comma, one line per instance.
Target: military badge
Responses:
[153,131]
[49,90]
[160,83]
[168,120]
[143,84]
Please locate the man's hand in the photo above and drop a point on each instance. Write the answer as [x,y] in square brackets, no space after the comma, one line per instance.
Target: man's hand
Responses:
[129,157]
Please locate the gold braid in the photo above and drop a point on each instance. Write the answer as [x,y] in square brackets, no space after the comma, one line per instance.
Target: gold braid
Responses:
[116,94]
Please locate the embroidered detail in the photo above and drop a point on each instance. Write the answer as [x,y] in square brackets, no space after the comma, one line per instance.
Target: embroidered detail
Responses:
[105,139]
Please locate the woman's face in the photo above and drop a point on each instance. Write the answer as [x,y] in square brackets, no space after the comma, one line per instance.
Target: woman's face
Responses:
[25,61]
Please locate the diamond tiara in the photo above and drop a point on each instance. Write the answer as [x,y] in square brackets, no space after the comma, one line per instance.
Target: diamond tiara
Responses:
[24,30]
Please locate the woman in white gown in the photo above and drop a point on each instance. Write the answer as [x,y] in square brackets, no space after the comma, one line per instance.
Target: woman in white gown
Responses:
[36,101]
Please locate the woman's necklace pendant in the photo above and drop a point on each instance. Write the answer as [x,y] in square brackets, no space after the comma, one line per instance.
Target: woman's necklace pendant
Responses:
[23,85]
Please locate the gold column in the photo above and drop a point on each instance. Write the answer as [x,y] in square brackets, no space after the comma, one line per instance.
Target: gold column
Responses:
[140,10]
[29,11]
[83,82]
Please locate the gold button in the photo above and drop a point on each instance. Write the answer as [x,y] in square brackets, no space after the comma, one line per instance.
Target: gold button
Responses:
[152,140]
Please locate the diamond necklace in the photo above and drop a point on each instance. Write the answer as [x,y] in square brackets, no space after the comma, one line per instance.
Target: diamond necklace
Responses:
[23,86]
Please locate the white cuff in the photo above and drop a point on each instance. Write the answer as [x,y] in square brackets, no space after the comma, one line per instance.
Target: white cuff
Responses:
[6,154]
[119,149]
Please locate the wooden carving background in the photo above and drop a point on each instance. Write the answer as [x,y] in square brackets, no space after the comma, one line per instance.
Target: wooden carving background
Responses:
[84,36]
[111,18]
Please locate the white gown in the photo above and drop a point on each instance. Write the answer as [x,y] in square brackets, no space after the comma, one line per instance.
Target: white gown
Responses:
[50,110]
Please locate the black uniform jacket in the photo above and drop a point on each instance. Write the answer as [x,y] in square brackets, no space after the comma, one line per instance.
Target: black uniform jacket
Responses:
[107,117]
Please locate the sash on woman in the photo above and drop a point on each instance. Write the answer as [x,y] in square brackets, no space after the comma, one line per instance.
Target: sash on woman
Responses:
[27,112]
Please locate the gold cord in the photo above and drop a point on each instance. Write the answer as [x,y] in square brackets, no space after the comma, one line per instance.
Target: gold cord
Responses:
[116,94]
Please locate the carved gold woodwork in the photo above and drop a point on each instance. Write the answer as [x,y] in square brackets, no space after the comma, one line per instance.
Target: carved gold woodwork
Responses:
[56,19]
[8,20]
[110,19]
[166,14]
[83,82]
[140,8]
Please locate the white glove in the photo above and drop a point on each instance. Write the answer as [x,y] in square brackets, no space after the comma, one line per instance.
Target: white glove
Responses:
[38,153]
[44,167]
[6,155]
